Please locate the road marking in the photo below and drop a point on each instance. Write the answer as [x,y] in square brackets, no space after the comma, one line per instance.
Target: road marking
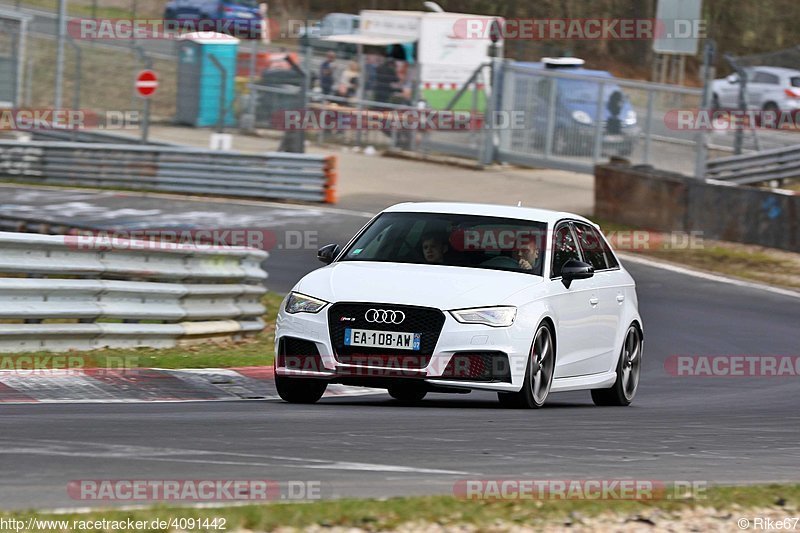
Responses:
[707,275]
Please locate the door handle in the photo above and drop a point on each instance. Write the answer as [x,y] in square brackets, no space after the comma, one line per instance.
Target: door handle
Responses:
[593,300]
[620,298]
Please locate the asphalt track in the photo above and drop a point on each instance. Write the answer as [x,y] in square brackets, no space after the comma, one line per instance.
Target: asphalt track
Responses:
[717,430]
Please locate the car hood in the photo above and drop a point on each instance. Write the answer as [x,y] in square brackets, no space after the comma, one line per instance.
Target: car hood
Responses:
[445,287]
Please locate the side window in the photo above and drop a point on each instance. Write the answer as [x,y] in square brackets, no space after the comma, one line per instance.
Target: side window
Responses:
[611,261]
[592,246]
[564,248]
[765,77]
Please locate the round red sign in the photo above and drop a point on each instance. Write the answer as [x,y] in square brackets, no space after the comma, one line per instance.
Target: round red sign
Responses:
[146,83]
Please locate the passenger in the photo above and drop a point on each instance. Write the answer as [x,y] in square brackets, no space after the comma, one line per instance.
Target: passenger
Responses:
[434,246]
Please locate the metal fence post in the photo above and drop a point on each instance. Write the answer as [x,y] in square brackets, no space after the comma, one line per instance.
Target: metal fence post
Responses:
[648,125]
[551,117]
[598,139]
[62,32]
[148,64]
[76,95]
[705,104]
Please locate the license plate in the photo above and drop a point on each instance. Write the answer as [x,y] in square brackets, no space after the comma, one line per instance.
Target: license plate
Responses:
[381,339]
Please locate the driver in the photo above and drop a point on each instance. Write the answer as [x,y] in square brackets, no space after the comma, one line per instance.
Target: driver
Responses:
[527,256]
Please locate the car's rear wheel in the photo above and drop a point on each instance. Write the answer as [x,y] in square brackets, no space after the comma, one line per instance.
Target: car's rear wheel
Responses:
[628,369]
[538,374]
[407,393]
[300,390]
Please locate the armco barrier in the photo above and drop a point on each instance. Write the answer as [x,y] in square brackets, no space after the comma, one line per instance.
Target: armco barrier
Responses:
[665,201]
[123,293]
[272,175]
[758,167]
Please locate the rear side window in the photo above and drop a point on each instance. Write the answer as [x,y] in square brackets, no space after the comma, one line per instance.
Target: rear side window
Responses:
[592,246]
[765,77]
[564,248]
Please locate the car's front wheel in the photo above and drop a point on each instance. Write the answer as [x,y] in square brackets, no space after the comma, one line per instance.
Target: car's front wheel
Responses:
[628,368]
[300,390]
[538,374]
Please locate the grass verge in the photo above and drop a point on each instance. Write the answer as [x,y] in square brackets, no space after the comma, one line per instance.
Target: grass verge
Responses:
[745,261]
[724,504]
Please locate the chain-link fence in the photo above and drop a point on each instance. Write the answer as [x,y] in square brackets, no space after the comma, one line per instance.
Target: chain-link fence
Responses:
[12,56]
[572,121]
[97,76]
[562,118]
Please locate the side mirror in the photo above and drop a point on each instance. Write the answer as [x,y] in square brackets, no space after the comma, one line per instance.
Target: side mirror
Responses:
[733,79]
[574,269]
[328,253]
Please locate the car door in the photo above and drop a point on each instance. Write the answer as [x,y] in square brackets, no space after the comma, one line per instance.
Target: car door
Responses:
[574,309]
[760,88]
[610,289]
[728,92]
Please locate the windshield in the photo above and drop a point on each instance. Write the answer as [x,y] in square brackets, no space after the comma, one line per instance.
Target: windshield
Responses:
[453,240]
[585,91]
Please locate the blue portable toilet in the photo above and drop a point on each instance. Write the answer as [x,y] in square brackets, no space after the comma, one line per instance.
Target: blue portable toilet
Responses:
[200,81]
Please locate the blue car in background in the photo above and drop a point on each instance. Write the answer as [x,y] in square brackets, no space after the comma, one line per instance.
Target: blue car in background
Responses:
[576,110]
[242,18]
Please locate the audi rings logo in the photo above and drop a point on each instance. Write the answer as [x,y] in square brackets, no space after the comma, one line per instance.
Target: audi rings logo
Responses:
[384,316]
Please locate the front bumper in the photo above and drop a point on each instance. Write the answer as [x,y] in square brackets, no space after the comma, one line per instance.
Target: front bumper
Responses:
[455,361]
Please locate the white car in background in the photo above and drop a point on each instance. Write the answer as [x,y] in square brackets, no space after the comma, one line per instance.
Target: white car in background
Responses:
[768,88]
[450,297]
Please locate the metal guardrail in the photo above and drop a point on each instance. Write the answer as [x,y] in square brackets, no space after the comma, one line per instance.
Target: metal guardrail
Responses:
[123,293]
[746,169]
[272,175]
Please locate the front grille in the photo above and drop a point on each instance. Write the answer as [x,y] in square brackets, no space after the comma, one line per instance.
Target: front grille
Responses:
[426,321]
[478,366]
[299,354]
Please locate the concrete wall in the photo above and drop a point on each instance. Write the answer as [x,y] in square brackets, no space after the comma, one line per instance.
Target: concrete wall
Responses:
[664,201]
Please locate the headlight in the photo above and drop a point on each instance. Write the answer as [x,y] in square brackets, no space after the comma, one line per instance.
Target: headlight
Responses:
[581,116]
[300,303]
[488,316]
[630,118]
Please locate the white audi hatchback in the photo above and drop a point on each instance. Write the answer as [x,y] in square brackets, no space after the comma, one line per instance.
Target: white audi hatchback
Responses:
[452,297]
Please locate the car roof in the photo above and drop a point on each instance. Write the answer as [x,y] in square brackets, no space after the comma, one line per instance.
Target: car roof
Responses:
[494,210]
[578,71]
[778,70]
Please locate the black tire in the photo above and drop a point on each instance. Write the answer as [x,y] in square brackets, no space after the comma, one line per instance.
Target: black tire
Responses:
[629,365]
[407,393]
[300,390]
[538,373]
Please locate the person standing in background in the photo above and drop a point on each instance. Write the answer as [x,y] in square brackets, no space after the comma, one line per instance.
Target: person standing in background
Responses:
[326,73]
